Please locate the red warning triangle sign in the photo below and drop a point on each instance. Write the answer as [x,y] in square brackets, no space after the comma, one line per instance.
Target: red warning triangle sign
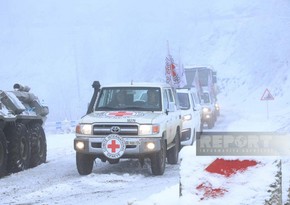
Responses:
[267,95]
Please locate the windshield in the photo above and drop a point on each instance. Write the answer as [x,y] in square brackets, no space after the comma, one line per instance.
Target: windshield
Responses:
[206,98]
[183,101]
[129,98]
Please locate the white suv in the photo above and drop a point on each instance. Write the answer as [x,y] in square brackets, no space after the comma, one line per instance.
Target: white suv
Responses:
[191,117]
[120,123]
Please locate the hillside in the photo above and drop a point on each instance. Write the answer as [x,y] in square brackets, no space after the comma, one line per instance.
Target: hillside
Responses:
[60,48]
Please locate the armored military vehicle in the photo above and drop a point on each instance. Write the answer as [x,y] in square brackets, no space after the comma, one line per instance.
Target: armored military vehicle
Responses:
[22,137]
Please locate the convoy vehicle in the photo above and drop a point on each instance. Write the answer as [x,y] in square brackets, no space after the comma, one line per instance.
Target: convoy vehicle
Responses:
[197,103]
[202,77]
[209,115]
[204,80]
[122,123]
[191,117]
[22,138]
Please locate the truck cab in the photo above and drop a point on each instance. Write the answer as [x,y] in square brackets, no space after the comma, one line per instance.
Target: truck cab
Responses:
[139,120]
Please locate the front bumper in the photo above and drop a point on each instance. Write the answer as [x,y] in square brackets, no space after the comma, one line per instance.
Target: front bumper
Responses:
[135,146]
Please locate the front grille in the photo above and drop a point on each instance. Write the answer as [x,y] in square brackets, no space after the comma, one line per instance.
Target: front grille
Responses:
[124,129]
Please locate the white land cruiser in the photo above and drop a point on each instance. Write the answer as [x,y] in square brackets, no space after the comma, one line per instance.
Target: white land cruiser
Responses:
[129,121]
[191,116]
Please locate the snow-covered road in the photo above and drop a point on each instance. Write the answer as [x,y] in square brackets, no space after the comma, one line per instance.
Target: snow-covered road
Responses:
[58,182]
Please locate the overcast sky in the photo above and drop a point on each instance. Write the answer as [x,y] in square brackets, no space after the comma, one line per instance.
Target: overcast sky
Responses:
[59,48]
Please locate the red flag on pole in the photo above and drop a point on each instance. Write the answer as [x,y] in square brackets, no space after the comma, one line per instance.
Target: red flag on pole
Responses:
[175,75]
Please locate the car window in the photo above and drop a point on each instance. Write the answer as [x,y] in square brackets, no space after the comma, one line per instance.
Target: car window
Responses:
[165,99]
[206,98]
[193,101]
[129,98]
[170,96]
[183,99]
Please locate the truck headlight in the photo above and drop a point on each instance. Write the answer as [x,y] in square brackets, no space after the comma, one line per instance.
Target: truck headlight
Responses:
[85,129]
[187,117]
[148,129]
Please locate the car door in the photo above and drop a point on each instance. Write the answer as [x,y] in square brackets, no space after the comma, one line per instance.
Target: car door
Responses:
[196,114]
[168,97]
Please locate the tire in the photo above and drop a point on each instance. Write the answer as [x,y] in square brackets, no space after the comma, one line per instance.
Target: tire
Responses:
[84,163]
[172,154]
[158,160]
[19,147]
[3,154]
[38,145]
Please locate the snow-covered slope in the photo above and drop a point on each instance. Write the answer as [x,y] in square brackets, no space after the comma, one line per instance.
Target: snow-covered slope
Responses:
[59,48]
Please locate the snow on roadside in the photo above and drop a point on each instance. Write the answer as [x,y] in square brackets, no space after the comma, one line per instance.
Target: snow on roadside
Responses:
[286,180]
[248,187]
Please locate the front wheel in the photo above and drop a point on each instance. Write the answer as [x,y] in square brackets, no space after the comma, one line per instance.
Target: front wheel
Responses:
[85,163]
[158,160]
[38,145]
[19,147]
[172,154]
[3,154]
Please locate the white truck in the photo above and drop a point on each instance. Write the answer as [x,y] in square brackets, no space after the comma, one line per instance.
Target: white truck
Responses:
[134,120]
[204,80]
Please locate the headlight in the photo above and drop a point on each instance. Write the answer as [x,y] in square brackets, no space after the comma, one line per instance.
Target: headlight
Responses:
[205,109]
[150,145]
[85,129]
[187,117]
[80,145]
[217,107]
[148,129]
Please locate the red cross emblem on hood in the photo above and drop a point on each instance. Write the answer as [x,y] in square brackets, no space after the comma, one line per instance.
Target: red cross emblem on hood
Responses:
[121,113]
